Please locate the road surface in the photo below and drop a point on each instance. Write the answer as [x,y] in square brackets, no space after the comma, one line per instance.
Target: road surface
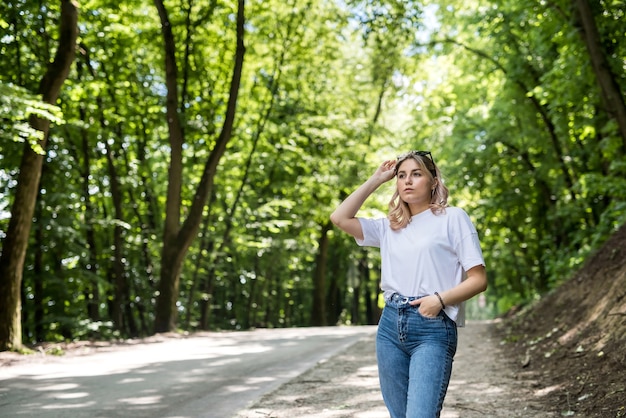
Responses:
[484,384]
[207,375]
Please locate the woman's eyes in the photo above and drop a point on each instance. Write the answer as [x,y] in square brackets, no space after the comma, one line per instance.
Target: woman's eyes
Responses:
[414,174]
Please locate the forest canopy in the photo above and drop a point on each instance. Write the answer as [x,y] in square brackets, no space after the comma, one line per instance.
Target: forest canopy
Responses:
[171,165]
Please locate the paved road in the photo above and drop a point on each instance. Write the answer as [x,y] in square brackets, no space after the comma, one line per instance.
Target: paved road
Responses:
[209,375]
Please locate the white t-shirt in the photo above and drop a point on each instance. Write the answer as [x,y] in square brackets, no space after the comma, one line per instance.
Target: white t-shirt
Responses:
[430,255]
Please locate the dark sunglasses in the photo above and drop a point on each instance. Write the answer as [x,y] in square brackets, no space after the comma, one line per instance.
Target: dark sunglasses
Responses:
[426,154]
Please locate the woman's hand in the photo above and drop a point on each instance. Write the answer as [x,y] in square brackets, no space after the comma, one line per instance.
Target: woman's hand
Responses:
[474,283]
[344,216]
[385,172]
[429,306]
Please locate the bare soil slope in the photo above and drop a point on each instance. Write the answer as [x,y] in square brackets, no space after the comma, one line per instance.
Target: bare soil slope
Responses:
[572,343]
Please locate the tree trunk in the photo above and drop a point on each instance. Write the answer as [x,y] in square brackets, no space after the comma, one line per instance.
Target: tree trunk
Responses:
[318,316]
[121,296]
[16,241]
[611,93]
[177,238]
[82,149]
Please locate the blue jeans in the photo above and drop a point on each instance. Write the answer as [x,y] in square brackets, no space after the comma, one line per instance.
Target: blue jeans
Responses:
[415,355]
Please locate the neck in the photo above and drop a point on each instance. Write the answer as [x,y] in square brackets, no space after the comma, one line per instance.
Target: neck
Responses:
[418,208]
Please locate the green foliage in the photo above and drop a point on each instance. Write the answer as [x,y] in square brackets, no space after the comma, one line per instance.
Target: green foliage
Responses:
[527,142]
[502,93]
[17,105]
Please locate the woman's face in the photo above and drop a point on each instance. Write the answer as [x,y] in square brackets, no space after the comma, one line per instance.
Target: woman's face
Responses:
[414,183]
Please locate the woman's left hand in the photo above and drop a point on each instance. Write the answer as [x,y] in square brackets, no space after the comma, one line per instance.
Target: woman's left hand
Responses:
[429,306]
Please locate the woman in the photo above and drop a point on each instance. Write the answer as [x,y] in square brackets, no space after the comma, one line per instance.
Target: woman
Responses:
[431,263]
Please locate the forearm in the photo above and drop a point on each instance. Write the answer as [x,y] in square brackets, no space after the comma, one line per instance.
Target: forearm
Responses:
[350,206]
[475,283]
[344,215]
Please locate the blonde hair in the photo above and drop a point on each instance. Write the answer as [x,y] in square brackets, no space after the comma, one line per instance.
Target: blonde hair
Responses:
[399,214]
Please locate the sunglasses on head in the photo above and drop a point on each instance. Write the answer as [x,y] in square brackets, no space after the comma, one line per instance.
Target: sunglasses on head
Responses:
[426,154]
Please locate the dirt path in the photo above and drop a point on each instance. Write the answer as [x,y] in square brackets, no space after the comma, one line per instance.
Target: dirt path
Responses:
[483,385]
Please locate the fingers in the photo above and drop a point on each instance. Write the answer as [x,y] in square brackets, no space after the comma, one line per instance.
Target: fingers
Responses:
[385,171]
[427,307]
[387,165]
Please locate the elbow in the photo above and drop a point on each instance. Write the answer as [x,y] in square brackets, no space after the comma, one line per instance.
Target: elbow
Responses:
[347,224]
[478,275]
[335,219]
[484,286]
[484,282]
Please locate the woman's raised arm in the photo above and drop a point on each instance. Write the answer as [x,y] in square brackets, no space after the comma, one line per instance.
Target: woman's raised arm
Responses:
[344,215]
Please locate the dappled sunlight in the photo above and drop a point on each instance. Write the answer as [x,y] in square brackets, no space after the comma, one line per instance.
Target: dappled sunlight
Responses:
[297,333]
[249,383]
[374,413]
[368,370]
[287,399]
[334,388]
[602,307]
[60,386]
[372,397]
[74,395]
[548,390]
[199,378]
[236,388]
[477,387]
[131,380]
[259,380]
[482,385]
[147,371]
[223,371]
[462,393]
[142,400]
[454,384]
[365,377]
[68,406]
[222,362]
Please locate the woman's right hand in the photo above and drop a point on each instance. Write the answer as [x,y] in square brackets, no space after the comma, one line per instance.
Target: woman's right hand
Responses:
[386,171]
[344,216]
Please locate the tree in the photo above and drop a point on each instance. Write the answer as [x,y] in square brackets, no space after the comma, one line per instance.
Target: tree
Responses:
[611,93]
[503,92]
[176,237]
[16,241]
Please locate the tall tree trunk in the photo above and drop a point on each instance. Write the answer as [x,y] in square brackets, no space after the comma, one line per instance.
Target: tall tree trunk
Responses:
[16,241]
[364,277]
[197,280]
[318,316]
[121,294]
[38,280]
[82,155]
[177,238]
[92,290]
[611,93]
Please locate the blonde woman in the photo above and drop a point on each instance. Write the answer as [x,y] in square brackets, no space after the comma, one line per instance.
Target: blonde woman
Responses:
[431,262]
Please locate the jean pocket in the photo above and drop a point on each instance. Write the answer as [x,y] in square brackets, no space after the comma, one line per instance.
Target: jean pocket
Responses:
[438,317]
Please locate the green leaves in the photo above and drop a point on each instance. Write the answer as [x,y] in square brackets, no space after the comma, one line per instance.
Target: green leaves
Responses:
[17,105]
[503,94]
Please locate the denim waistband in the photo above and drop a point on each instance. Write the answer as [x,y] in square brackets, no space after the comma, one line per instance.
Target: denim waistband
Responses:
[400,301]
